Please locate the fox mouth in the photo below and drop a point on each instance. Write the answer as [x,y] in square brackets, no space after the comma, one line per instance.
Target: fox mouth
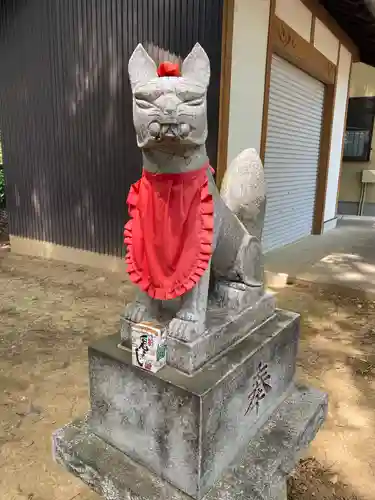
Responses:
[172,130]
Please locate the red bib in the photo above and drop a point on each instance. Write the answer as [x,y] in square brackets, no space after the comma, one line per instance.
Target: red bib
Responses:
[170,232]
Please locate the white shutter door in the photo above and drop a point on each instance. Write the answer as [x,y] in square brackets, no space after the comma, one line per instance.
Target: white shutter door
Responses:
[292,153]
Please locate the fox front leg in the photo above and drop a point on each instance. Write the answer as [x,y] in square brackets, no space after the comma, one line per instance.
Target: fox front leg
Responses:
[191,318]
[143,308]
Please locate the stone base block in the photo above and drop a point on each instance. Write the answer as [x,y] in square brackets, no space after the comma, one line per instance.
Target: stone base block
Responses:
[224,328]
[187,429]
[259,472]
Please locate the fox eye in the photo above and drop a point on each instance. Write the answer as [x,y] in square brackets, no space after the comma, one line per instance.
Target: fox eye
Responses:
[143,104]
[195,102]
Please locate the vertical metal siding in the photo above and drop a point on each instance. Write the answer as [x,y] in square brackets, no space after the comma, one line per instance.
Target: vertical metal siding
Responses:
[292,153]
[65,108]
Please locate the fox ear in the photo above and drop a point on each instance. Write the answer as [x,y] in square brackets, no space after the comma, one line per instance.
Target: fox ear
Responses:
[196,66]
[141,67]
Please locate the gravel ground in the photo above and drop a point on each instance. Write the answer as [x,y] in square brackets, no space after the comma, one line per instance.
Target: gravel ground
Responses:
[51,311]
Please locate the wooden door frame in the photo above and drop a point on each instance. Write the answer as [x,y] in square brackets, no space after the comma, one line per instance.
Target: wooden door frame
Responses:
[288,44]
[225,87]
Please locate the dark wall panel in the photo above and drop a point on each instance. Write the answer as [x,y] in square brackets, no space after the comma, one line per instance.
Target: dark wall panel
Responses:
[65,108]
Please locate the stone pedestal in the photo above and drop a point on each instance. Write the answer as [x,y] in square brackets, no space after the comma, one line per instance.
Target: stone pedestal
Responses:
[226,325]
[231,429]
[259,473]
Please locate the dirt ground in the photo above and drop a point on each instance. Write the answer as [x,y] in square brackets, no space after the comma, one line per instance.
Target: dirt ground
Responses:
[337,354]
[50,312]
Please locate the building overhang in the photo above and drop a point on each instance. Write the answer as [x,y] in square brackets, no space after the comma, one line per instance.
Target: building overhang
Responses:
[357,19]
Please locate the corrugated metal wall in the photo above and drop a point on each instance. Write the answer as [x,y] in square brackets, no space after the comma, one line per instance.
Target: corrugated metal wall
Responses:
[65,108]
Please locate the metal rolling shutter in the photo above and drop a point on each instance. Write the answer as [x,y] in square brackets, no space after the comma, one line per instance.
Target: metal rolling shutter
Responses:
[292,153]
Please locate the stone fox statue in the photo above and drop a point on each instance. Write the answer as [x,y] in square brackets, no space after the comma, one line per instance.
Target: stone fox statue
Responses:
[187,242]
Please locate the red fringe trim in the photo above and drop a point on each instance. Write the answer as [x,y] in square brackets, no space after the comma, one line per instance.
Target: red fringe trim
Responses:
[203,258]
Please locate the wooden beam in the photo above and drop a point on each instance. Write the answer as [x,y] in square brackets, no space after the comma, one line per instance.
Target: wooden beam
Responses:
[325,149]
[225,85]
[288,44]
[343,138]
[267,82]
[324,156]
[323,15]
[312,32]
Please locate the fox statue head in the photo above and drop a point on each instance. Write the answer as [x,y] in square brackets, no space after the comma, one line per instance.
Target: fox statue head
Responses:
[170,110]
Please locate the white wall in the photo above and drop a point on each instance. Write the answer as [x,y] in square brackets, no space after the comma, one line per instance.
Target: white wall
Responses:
[296,15]
[326,42]
[338,126]
[362,81]
[362,84]
[250,38]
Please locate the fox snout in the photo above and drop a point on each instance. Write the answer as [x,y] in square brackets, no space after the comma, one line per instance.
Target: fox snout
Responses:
[160,130]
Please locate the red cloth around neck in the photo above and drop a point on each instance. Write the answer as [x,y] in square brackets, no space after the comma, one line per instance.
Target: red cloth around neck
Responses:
[170,232]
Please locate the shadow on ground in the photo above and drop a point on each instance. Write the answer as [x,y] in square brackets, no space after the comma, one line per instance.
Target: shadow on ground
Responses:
[351,271]
[51,311]
[343,257]
[337,354]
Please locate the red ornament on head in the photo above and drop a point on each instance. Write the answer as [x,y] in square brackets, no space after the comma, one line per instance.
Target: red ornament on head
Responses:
[168,69]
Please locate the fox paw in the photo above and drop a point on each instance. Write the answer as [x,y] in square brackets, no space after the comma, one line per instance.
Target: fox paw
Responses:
[137,312]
